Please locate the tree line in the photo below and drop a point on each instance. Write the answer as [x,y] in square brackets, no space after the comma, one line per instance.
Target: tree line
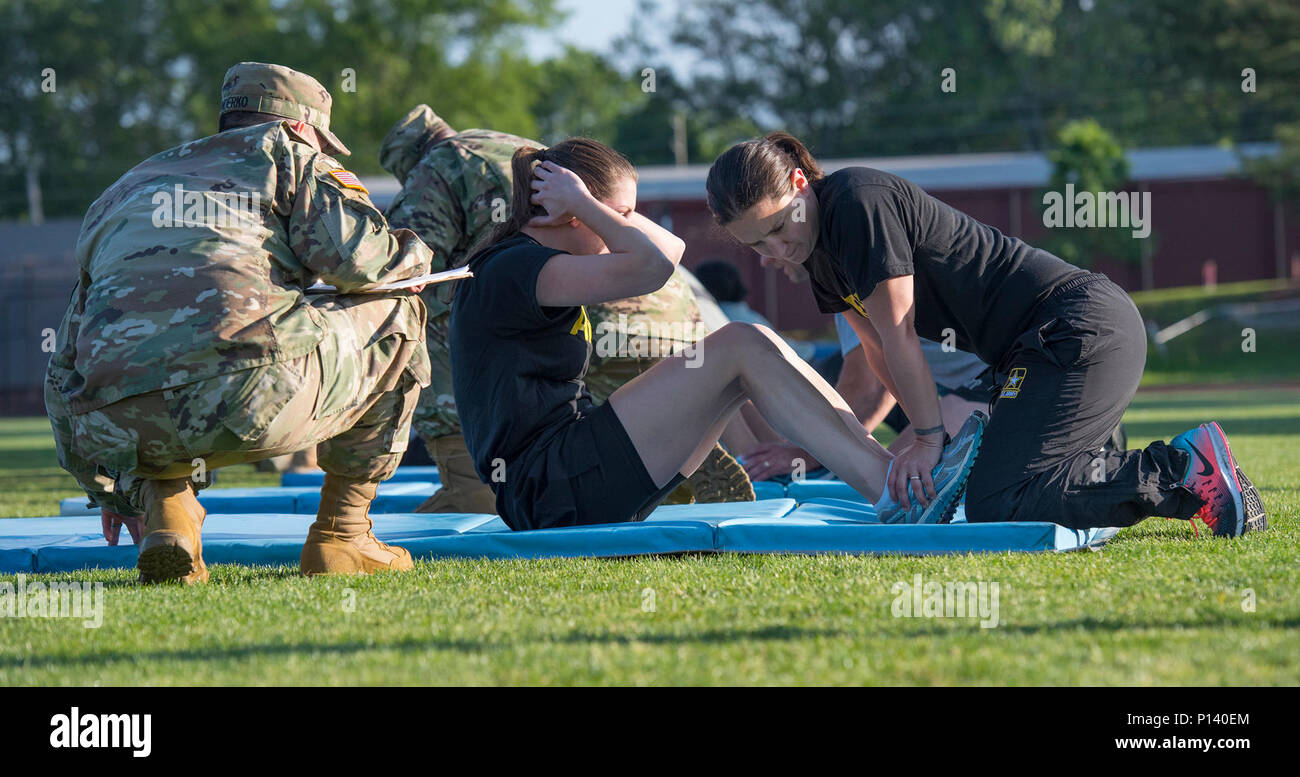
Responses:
[93,86]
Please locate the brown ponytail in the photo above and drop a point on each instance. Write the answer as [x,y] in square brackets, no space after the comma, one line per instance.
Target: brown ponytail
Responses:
[755,170]
[600,167]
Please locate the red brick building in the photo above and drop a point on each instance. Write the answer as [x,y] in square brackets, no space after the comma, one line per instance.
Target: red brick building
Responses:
[1203,210]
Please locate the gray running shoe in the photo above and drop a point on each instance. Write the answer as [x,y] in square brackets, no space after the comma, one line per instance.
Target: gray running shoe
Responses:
[949,477]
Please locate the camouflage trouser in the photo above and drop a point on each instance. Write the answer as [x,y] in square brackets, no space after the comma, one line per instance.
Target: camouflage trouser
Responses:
[435,415]
[355,395]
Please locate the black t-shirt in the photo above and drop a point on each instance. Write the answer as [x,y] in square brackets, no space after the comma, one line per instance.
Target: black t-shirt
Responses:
[517,367]
[967,275]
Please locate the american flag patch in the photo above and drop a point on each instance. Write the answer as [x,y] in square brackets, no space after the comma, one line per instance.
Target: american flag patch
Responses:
[348,180]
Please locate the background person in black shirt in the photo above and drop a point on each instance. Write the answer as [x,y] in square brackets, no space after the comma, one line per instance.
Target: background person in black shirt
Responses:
[520,342]
[1069,344]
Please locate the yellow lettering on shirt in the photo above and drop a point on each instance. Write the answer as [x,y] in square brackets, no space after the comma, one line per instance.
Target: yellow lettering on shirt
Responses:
[856,302]
[582,324]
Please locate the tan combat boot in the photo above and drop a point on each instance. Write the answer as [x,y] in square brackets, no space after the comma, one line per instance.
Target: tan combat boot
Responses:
[461,490]
[172,547]
[719,479]
[340,542]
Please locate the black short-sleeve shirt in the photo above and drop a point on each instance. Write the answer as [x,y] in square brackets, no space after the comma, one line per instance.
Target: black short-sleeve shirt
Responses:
[517,367]
[967,276]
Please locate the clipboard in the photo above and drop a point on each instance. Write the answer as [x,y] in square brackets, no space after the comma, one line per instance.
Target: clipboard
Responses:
[456,274]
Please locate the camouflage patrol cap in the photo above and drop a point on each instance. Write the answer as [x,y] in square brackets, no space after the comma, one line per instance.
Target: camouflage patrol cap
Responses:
[406,142]
[280,91]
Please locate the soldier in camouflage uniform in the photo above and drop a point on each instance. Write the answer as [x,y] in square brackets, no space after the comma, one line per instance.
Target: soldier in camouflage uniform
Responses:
[190,343]
[455,189]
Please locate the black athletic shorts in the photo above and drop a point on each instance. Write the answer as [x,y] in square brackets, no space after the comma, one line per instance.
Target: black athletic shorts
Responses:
[588,473]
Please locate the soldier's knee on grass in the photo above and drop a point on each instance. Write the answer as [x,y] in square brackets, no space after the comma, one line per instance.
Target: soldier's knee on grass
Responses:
[983,504]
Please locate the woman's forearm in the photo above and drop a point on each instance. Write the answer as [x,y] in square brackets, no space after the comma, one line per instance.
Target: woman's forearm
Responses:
[621,235]
[874,352]
[892,323]
[915,383]
[672,246]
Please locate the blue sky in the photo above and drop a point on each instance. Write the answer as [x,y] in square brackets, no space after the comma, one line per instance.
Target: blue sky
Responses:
[592,24]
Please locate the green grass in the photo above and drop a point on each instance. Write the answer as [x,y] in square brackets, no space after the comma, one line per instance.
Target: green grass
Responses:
[1156,606]
[1216,352]
[1180,301]
[32,482]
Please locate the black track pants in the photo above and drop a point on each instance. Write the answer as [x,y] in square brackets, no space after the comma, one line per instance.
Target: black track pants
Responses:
[1065,384]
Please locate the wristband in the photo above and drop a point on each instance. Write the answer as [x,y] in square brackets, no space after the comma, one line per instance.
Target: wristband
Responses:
[929,430]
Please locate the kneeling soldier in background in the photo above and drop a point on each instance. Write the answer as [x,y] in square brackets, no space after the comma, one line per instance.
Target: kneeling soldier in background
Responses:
[190,342]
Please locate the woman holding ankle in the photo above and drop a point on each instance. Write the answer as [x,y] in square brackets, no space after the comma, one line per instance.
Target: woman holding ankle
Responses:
[1068,344]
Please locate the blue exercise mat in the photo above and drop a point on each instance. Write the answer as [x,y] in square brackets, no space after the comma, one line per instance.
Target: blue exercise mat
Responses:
[66,544]
[402,475]
[848,526]
[803,490]
[395,496]
[769,489]
[409,486]
[392,497]
[69,543]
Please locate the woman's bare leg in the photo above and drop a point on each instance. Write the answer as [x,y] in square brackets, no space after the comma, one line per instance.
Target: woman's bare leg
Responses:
[714,435]
[739,436]
[746,431]
[673,411]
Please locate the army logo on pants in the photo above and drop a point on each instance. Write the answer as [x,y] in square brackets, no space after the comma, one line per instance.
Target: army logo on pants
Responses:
[1014,383]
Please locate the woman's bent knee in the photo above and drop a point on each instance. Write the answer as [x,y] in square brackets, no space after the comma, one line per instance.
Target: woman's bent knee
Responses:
[743,336]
